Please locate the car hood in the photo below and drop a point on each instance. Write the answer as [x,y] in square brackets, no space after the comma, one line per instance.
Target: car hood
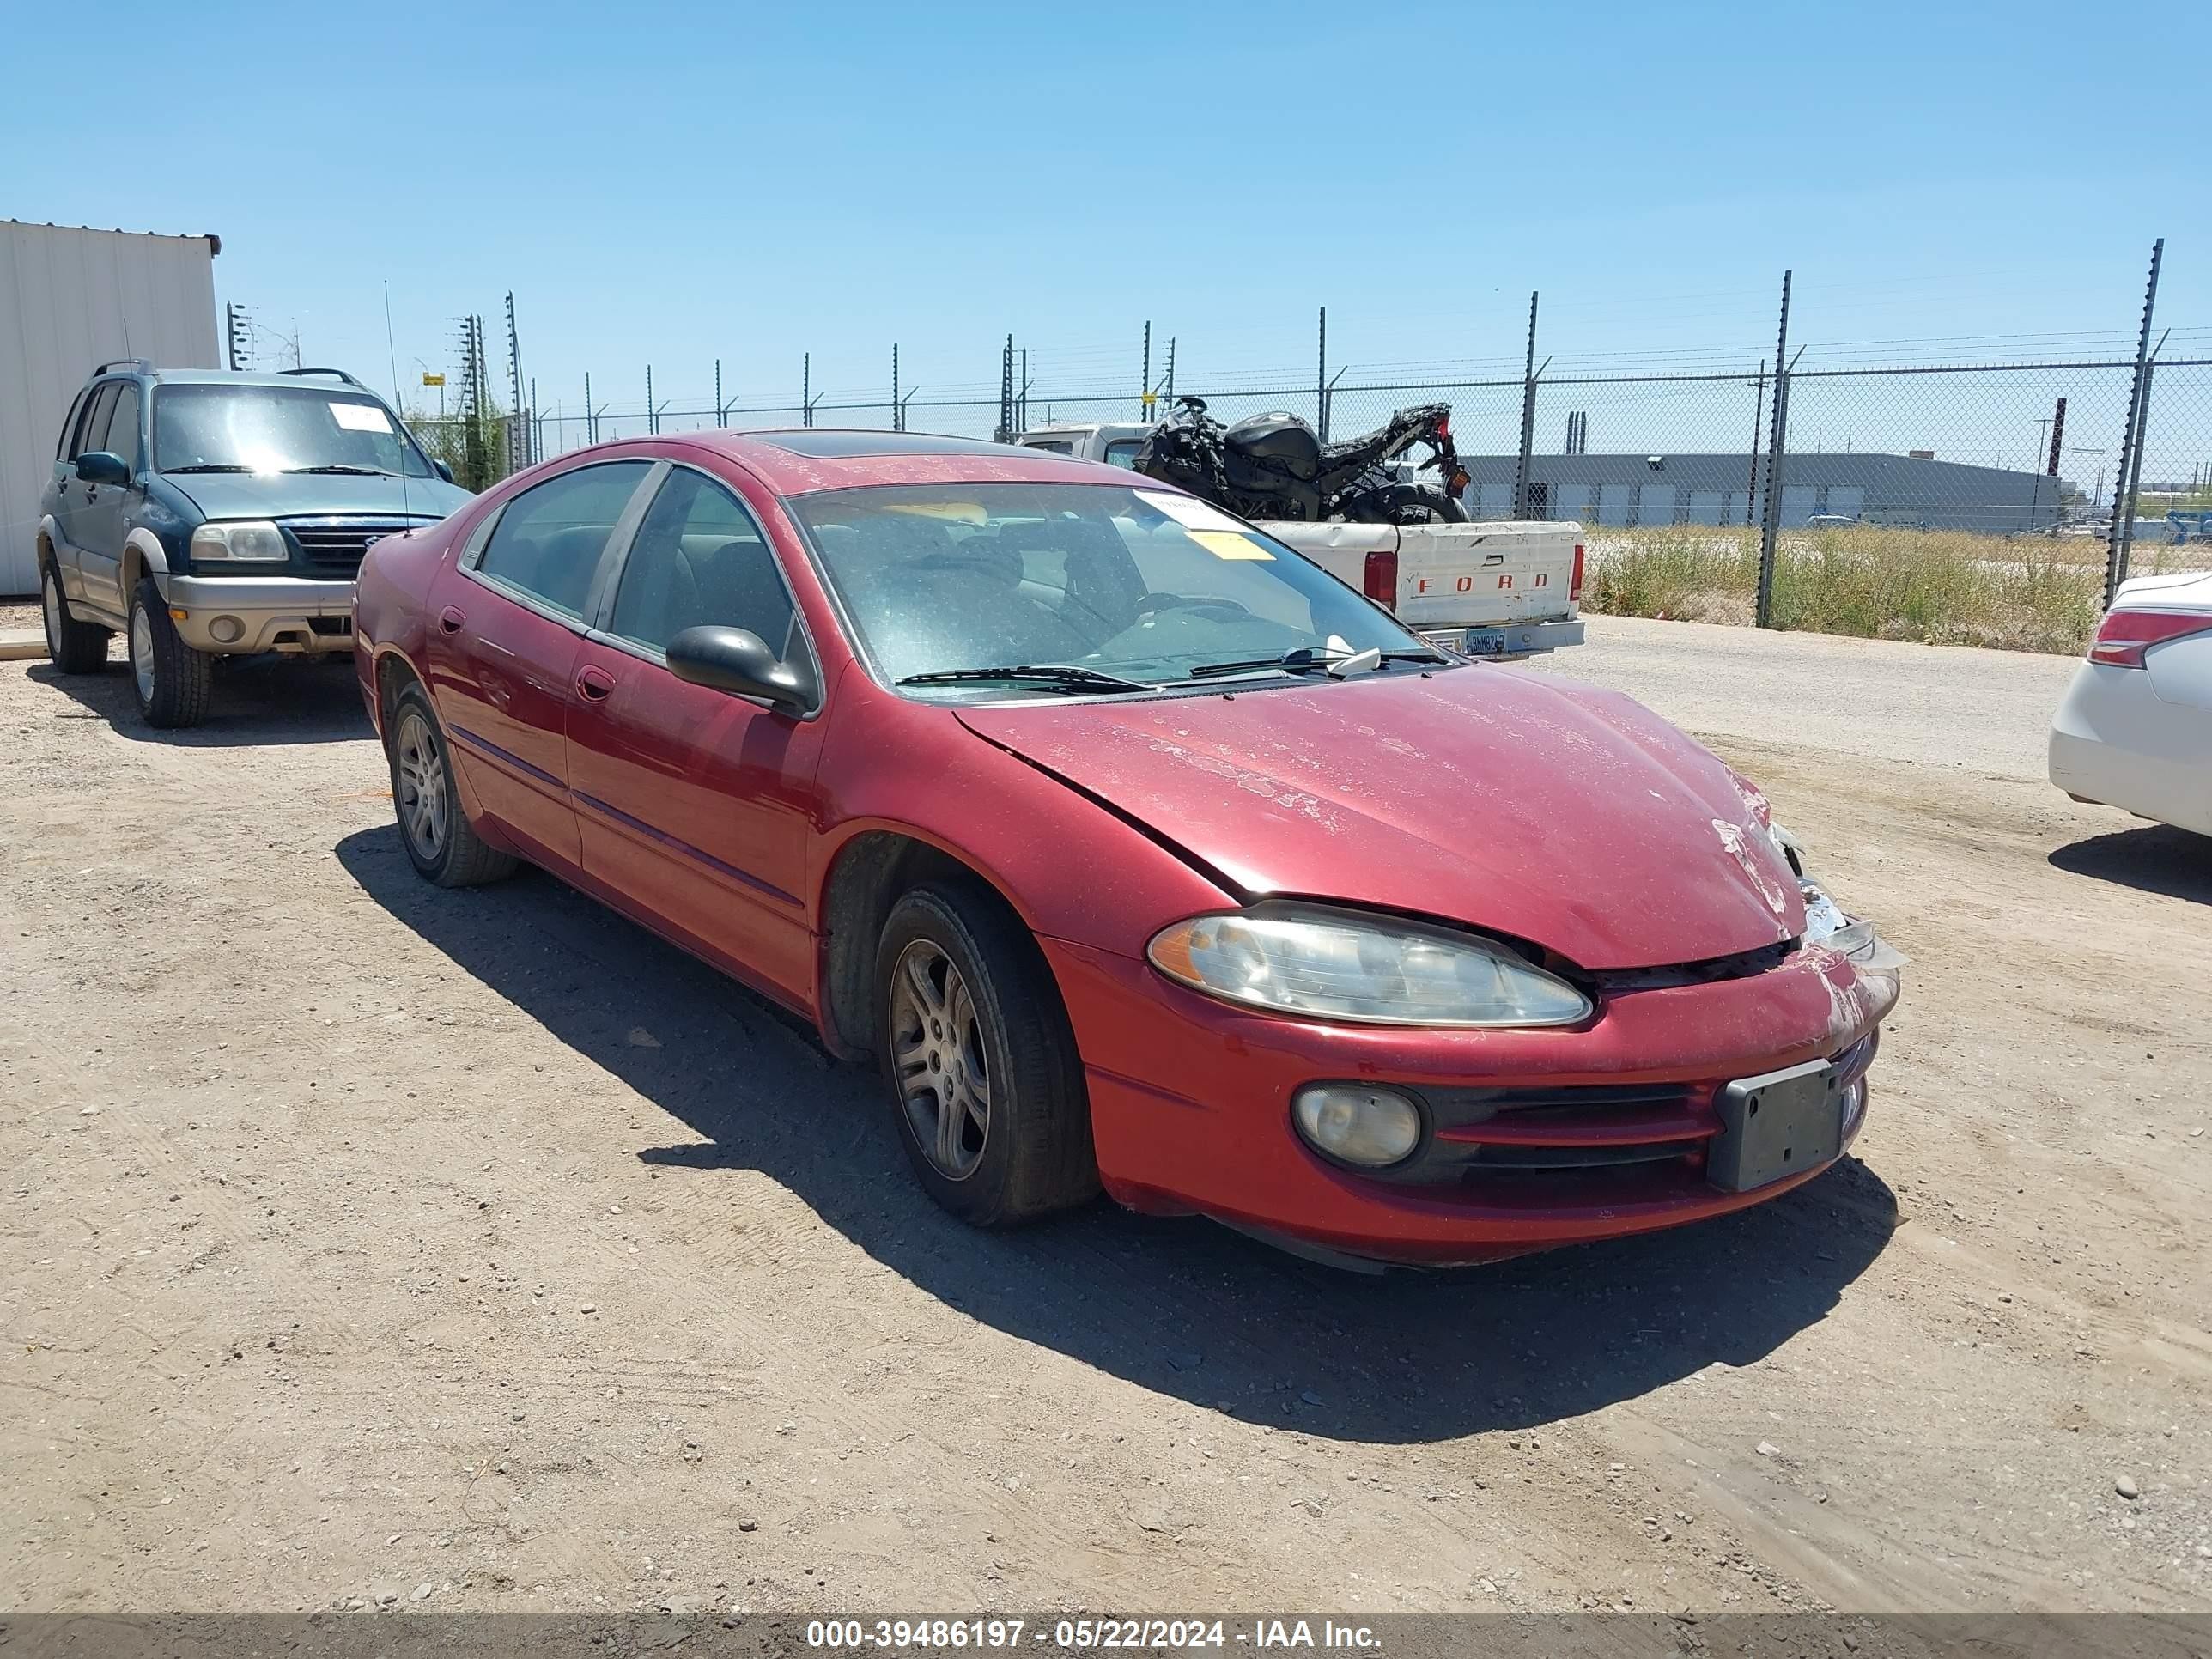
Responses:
[1530,806]
[298,495]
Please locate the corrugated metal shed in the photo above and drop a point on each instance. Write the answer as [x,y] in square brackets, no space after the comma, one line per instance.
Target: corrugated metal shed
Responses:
[71,298]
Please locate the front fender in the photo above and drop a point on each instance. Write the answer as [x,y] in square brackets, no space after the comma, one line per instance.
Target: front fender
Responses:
[144,555]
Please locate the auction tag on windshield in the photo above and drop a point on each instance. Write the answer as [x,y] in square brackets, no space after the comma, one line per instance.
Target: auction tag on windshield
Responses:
[360,418]
[1227,544]
[1190,513]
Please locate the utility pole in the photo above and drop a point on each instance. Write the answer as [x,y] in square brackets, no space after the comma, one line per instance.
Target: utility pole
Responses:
[517,431]
[238,334]
[1771,521]
[2057,437]
[2124,506]
[1171,371]
[896,405]
[807,389]
[718,391]
[1144,374]
[1006,392]
[591,421]
[651,415]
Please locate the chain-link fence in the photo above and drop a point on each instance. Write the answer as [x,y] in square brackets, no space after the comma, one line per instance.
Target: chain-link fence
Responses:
[2106,463]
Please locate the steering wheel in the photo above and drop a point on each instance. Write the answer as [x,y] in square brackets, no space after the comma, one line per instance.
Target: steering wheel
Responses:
[1151,601]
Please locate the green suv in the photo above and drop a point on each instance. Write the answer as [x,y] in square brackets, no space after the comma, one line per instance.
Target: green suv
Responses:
[202,514]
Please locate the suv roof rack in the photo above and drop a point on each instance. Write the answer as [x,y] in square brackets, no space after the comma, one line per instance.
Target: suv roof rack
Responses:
[140,363]
[336,374]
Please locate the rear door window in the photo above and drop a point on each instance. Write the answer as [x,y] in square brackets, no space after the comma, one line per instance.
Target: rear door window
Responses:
[548,539]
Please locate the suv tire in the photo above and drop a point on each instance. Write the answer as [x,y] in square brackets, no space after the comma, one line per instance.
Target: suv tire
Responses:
[970,1028]
[169,678]
[426,799]
[76,647]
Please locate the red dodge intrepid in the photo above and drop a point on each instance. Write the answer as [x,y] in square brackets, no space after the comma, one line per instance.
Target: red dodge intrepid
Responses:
[1137,851]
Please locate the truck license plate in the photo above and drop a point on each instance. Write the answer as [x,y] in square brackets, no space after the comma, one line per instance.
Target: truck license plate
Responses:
[1776,1126]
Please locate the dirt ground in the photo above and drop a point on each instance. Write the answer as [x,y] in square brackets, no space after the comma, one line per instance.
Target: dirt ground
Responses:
[368,1243]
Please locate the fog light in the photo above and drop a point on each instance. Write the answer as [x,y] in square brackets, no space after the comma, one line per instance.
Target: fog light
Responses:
[1371,1127]
[228,629]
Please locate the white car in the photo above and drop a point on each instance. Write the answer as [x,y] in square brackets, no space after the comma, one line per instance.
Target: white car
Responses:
[2135,729]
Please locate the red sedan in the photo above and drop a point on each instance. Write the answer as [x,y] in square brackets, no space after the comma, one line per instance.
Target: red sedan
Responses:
[1136,851]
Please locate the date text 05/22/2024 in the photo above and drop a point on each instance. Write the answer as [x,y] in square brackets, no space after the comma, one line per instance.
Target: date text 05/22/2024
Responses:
[1084,1634]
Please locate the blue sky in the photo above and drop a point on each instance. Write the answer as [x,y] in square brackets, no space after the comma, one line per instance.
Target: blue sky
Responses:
[669,184]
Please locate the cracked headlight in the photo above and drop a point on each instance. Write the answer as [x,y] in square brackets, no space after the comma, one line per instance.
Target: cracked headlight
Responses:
[1826,922]
[1326,963]
[244,541]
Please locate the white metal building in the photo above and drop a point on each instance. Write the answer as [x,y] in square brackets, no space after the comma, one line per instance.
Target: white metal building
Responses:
[69,299]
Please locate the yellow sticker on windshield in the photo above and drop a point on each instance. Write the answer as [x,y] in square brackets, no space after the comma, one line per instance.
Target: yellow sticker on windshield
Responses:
[1224,545]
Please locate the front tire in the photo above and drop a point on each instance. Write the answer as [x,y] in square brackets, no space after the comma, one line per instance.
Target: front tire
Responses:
[75,647]
[440,841]
[979,1060]
[169,678]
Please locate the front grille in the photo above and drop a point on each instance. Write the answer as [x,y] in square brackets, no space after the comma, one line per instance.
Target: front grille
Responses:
[333,548]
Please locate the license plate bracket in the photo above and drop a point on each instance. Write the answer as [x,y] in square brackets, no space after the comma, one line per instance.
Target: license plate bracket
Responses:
[1776,1125]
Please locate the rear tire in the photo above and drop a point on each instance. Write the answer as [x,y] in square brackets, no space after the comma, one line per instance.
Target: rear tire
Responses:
[169,678]
[426,798]
[1404,504]
[75,647]
[967,1016]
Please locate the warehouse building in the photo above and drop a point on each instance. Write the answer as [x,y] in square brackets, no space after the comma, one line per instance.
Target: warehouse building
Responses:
[1911,490]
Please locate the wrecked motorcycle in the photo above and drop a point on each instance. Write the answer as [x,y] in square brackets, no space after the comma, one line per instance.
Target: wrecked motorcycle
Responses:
[1276,467]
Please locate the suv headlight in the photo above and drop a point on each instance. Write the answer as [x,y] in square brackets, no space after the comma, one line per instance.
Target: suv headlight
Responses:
[240,542]
[1326,963]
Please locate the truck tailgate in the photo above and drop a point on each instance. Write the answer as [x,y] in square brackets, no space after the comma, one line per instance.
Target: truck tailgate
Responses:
[1442,578]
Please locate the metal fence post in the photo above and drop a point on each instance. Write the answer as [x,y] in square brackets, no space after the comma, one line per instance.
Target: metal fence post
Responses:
[1528,419]
[2122,539]
[1771,521]
[1320,380]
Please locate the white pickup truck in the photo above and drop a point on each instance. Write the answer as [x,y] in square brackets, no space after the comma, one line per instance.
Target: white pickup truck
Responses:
[1502,589]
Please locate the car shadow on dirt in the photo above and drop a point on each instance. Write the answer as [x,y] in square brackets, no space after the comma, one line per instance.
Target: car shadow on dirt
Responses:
[264,699]
[2155,858]
[1181,1306]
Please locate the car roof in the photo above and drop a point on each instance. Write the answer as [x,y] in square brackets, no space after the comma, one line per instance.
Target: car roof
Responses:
[801,460]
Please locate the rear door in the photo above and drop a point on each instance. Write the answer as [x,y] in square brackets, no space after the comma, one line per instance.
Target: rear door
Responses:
[696,808]
[506,623]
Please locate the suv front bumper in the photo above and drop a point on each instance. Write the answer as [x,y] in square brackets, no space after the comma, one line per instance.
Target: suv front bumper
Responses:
[237,616]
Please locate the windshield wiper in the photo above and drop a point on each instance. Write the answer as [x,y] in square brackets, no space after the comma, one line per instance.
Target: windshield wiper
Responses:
[350,471]
[209,466]
[1074,679]
[1306,660]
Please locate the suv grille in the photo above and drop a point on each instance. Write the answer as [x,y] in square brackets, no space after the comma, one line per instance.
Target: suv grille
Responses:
[334,548]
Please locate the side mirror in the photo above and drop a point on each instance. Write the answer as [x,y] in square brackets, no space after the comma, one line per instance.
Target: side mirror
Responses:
[733,660]
[442,470]
[100,467]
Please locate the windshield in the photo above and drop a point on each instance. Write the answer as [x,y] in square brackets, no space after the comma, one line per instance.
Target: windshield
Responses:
[278,429]
[1142,584]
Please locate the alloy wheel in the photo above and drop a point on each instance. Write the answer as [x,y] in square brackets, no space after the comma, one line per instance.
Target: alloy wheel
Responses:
[142,653]
[419,778]
[939,1055]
